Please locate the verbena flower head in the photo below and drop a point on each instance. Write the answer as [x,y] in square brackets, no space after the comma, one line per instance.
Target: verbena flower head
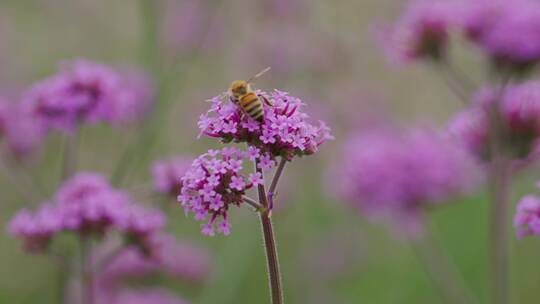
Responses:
[527,218]
[21,134]
[37,228]
[84,92]
[390,175]
[177,259]
[87,204]
[139,225]
[422,31]
[167,173]
[518,108]
[285,130]
[215,182]
[506,30]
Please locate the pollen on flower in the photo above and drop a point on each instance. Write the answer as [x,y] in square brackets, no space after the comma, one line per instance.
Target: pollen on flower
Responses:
[215,182]
[284,131]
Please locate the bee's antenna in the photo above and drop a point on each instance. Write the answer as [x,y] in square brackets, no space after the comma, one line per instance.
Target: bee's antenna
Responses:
[253,78]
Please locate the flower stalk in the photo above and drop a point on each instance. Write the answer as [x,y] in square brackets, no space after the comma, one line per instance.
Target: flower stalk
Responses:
[274,274]
[441,271]
[87,279]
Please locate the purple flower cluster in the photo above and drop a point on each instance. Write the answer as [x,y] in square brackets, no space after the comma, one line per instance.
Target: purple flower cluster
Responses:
[21,134]
[284,131]
[167,173]
[518,110]
[421,32]
[527,218]
[394,176]
[84,92]
[177,259]
[215,182]
[86,204]
[507,30]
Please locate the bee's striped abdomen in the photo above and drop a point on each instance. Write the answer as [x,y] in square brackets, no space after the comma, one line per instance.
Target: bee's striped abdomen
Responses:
[252,106]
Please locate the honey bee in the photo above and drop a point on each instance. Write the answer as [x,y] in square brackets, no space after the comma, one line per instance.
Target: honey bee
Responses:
[251,104]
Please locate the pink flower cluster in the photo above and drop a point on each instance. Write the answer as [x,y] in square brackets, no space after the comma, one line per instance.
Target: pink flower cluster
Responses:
[421,32]
[518,109]
[390,175]
[180,260]
[84,92]
[86,204]
[507,30]
[21,134]
[167,174]
[215,182]
[284,131]
[527,218]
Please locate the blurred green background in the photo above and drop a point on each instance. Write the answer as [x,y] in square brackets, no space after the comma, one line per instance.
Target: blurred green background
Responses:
[322,51]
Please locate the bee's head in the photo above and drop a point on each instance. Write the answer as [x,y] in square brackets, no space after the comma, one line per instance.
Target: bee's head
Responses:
[239,88]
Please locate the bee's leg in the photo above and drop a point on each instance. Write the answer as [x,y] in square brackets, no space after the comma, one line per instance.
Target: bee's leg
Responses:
[267,101]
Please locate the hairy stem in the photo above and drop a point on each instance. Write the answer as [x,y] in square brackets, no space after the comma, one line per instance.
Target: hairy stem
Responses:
[442,272]
[271,258]
[87,279]
[274,275]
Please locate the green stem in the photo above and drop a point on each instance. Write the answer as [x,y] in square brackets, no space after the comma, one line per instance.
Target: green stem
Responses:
[441,271]
[87,279]
[69,165]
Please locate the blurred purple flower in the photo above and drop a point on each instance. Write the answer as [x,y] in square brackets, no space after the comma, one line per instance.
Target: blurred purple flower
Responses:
[214,182]
[284,131]
[394,176]
[36,228]
[88,204]
[422,31]
[518,109]
[167,173]
[180,260]
[83,92]
[527,218]
[506,30]
[22,135]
